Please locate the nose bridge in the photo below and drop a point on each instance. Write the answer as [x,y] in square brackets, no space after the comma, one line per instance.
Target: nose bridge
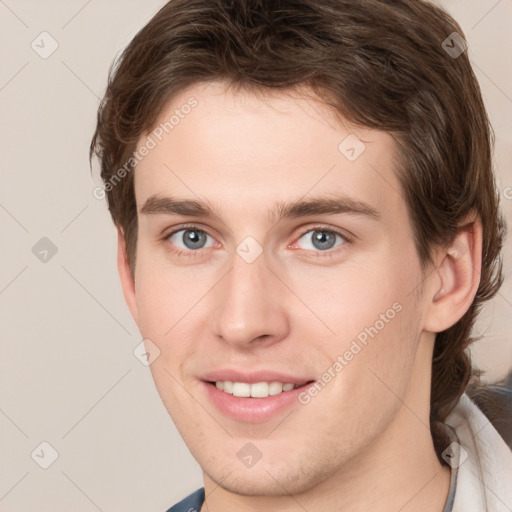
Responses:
[249,306]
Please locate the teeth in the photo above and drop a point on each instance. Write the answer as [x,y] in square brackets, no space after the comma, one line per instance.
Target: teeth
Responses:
[259,390]
[275,388]
[241,389]
[255,390]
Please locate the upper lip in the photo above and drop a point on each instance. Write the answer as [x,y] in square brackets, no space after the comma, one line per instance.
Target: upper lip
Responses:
[252,377]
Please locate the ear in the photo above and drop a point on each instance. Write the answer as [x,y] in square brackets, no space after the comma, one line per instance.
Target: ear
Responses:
[456,278]
[126,277]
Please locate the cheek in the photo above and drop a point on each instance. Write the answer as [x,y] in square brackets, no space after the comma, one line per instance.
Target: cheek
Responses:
[153,296]
[171,306]
[365,318]
[347,299]
[368,358]
[162,291]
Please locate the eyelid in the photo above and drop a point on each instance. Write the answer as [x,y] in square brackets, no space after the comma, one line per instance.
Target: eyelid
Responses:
[166,237]
[183,227]
[348,237]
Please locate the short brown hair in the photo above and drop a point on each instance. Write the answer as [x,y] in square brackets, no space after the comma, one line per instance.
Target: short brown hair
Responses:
[381,64]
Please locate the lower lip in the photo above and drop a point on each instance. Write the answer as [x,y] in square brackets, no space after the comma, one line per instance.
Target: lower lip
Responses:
[253,410]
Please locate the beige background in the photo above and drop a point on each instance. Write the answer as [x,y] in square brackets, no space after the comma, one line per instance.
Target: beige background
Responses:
[68,374]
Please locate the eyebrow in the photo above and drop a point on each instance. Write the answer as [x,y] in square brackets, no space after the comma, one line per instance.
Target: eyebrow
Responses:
[156,204]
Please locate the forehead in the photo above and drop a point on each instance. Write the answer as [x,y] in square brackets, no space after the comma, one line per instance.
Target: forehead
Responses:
[241,150]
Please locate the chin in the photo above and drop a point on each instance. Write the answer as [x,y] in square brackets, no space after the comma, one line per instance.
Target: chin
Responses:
[262,483]
[279,479]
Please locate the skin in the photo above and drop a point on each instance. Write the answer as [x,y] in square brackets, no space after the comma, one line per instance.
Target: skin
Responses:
[295,309]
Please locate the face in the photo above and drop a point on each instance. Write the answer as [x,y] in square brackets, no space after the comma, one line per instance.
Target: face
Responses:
[274,248]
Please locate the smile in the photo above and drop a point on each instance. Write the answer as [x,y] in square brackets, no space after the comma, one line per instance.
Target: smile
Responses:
[263,398]
[254,390]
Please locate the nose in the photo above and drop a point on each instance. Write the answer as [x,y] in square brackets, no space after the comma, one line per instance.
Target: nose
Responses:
[252,308]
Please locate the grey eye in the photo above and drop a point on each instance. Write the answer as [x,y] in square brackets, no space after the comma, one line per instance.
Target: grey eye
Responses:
[190,239]
[321,239]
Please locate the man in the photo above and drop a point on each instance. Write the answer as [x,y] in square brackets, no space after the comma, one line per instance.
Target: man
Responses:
[308,225]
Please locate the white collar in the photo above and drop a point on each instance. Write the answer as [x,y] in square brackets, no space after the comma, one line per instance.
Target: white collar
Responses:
[481,465]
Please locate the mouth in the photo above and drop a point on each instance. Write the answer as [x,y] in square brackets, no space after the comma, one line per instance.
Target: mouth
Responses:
[256,389]
[253,398]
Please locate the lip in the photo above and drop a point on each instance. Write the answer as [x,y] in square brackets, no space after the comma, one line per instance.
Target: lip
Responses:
[252,377]
[253,410]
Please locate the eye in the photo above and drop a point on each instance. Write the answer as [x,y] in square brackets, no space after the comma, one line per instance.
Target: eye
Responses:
[321,239]
[190,239]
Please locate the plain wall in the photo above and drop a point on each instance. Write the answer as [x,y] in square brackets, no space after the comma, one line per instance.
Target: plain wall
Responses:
[68,374]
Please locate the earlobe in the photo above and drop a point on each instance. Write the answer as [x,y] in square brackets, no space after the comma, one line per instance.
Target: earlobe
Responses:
[456,278]
[125,275]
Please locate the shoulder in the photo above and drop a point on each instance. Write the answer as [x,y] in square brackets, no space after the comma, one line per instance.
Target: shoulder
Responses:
[495,401]
[191,503]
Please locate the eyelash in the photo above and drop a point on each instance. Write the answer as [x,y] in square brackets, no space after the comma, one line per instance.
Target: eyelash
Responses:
[329,253]
[183,252]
